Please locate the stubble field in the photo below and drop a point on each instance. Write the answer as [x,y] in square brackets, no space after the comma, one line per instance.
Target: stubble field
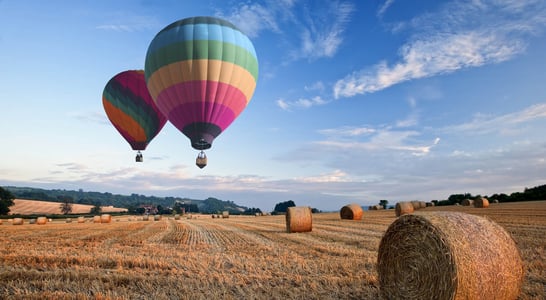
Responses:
[239,257]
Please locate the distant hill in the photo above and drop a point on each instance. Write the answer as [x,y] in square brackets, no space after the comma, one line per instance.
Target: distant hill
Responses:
[130,202]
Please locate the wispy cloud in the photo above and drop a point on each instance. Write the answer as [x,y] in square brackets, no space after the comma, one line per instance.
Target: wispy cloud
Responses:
[381,11]
[323,35]
[254,18]
[485,124]
[122,22]
[459,36]
[301,103]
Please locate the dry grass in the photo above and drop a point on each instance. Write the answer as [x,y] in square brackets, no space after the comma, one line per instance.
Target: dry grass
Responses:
[235,258]
[29,207]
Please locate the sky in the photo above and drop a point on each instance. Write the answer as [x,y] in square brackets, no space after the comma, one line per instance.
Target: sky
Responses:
[356,101]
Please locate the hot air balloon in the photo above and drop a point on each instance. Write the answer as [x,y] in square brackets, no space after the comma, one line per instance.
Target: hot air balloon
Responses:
[131,109]
[201,72]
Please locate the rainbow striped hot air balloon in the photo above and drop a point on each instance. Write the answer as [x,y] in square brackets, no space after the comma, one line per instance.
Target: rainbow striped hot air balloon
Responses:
[201,72]
[131,109]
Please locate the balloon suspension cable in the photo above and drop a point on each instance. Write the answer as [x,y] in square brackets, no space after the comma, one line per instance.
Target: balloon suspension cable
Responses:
[201,160]
[139,157]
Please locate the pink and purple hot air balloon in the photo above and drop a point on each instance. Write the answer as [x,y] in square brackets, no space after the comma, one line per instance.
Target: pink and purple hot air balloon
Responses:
[131,109]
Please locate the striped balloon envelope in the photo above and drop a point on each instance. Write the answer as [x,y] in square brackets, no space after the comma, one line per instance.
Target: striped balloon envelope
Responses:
[131,109]
[201,72]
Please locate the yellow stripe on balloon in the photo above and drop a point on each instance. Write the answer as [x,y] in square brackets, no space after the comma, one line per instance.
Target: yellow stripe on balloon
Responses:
[202,69]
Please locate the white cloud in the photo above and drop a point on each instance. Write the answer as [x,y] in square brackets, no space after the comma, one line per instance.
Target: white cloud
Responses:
[253,18]
[347,131]
[484,124]
[459,35]
[302,103]
[428,57]
[381,11]
[323,36]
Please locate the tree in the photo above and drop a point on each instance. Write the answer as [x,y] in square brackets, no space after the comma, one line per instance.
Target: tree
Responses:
[384,203]
[66,205]
[283,206]
[96,209]
[6,200]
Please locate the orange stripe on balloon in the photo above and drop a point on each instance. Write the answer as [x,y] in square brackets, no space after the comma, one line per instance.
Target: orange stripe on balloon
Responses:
[124,122]
[202,70]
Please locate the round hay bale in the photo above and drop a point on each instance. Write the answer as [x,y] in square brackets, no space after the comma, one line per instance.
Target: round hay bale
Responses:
[41,221]
[416,205]
[96,219]
[145,218]
[496,201]
[351,211]
[177,217]
[17,221]
[376,207]
[429,204]
[402,208]
[32,221]
[81,220]
[68,220]
[157,217]
[448,255]
[422,204]
[299,219]
[105,218]
[467,202]
[225,214]
[481,203]
[1,221]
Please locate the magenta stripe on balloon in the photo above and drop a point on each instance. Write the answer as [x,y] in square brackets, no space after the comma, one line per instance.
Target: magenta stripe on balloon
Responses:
[184,114]
[214,97]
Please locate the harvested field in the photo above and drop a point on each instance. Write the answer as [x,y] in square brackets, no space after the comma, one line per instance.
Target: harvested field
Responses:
[240,257]
[28,207]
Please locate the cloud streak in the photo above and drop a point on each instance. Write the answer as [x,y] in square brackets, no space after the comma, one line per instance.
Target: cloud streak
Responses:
[459,36]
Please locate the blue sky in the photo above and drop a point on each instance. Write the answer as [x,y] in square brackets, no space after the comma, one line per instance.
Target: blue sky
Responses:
[356,101]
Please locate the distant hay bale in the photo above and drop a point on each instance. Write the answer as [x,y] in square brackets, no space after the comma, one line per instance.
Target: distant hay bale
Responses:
[429,204]
[422,204]
[496,201]
[41,221]
[416,205]
[81,220]
[177,217]
[225,214]
[448,255]
[32,221]
[105,218]
[351,211]
[467,202]
[375,207]
[402,208]
[68,220]
[145,218]
[299,219]
[1,222]
[481,203]
[157,217]
[17,221]
[96,219]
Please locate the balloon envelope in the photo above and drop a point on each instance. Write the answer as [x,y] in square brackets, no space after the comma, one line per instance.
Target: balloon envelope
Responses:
[131,109]
[201,72]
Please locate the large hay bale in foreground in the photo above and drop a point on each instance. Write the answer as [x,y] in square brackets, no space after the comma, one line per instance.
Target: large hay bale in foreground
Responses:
[105,218]
[481,203]
[351,211]
[41,221]
[402,208]
[299,219]
[448,255]
[17,221]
